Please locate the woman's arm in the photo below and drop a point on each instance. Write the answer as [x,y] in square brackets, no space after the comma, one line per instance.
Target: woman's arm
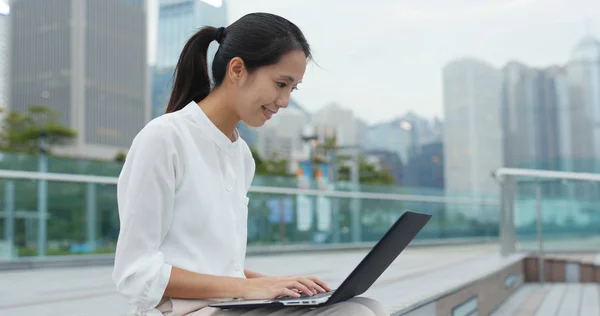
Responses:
[145,195]
[251,274]
[190,285]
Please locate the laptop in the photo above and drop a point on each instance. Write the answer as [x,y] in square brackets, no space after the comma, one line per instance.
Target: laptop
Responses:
[364,275]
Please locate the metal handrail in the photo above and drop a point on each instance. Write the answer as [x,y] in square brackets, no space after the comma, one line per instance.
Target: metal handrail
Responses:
[500,175]
[546,174]
[32,175]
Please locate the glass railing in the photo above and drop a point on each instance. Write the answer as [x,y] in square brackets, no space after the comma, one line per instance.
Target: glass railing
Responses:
[569,210]
[545,211]
[82,218]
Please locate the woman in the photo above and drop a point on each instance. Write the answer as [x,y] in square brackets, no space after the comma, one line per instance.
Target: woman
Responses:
[182,192]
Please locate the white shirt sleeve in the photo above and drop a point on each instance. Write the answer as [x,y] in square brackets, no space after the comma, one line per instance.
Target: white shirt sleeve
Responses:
[145,195]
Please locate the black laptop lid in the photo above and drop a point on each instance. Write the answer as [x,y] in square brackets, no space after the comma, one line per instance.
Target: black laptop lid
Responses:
[381,256]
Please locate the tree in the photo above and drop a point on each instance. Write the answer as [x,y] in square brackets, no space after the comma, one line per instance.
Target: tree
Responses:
[120,157]
[369,173]
[272,167]
[22,131]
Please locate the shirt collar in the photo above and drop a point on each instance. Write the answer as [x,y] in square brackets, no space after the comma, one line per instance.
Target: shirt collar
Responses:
[199,117]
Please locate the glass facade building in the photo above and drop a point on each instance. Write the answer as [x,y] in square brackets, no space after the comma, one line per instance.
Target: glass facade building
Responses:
[178,20]
[87,60]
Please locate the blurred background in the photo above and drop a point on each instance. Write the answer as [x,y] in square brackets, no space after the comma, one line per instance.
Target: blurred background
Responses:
[419,98]
[410,105]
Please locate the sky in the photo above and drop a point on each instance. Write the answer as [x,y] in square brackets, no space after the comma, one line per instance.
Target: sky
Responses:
[384,60]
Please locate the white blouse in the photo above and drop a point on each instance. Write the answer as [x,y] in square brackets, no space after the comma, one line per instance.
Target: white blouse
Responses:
[182,198]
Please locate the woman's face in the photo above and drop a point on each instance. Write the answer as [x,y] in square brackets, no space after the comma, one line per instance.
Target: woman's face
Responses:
[261,94]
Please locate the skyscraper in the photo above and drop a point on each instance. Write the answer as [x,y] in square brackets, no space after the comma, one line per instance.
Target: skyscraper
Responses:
[583,72]
[472,132]
[280,137]
[178,20]
[341,119]
[535,116]
[425,170]
[4,32]
[397,136]
[86,59]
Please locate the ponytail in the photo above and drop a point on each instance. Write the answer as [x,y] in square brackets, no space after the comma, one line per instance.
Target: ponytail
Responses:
[192,81]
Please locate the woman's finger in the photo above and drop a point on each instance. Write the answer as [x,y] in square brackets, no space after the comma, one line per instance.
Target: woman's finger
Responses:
[287,292]
[320,282]
[312,285]
[301,287]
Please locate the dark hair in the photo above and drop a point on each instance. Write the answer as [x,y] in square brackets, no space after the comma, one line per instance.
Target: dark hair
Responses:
[259,39]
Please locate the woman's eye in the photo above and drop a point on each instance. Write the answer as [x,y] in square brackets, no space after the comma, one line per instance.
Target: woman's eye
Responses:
[282,84]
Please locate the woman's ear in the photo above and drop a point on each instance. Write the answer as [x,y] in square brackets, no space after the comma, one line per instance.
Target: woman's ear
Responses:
[236,71]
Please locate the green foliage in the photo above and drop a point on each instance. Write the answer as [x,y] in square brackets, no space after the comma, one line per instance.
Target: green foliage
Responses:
[21,131]
[120,157]
[369,173]
[272,167]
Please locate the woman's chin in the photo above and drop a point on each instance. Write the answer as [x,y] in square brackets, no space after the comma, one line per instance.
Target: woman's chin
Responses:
[255,122]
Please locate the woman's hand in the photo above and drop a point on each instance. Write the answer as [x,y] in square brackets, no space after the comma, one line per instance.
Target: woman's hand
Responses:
[272,287]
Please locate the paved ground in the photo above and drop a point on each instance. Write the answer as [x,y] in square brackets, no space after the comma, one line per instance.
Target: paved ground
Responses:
[416,274]
[568,299]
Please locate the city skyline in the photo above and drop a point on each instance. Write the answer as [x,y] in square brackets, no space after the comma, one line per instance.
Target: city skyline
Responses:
[392,59]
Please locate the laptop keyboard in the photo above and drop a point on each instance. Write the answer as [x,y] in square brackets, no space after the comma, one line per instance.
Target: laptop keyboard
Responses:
[302,295]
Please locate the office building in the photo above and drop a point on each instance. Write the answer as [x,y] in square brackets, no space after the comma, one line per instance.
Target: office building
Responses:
[178,20]
[281,137]
[583,73]
[535,115]
[86,59]
[4,58]
[472,128]
[397,136]
[426,170]
[341,120]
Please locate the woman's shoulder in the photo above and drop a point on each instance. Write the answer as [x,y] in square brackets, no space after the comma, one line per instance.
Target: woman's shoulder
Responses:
[163,128]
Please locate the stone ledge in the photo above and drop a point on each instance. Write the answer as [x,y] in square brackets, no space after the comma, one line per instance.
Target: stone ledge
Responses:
[484,289]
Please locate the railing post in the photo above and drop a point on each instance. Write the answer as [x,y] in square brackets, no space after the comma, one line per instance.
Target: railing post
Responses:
[42,206]
[507,223]
[335,221]
[91,216]
[282,223]
[538,212]
[355,202]
[9,211]
[335,202]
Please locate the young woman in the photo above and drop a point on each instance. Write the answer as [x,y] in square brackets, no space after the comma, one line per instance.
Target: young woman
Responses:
[182,193]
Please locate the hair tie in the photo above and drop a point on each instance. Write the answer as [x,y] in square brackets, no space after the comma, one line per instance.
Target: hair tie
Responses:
[220,34]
